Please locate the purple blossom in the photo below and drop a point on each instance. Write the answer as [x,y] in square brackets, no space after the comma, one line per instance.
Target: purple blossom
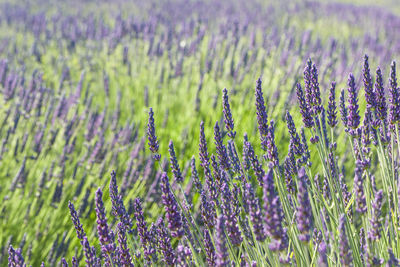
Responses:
[221,149]
[394,99]
[143,233]
[332,120]
[173,214]
[209,248]
[228,119]
[294,136]
[374,232]
[353,118]
[207,210]
[117,203]
[123,250]
[255,213]
[304,107]
[343,108]
[262,117]
[361,204]
[151,136]
[176,170]
[368,86]
[222,255]
[381,106]
[272,150]
[106,237]
[75,220]
[164,241]
[15,258]
[273,214]
[316,94]
[195,175]
[304,212]
[255,163]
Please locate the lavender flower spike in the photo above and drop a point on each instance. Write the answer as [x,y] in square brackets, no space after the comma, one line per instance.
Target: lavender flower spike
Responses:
[343,108]
[220,243]
[173,215]
[151,135]
[272,153]
[15,257]
[164,241]
[374,232]
[124,254]
[142,230]
[394,108]
[176,170]
[368,88]
[332,119]
[304,215]
[262,117]
[346,255]
[221,149]
[209,248]
[77,223]
[255,213]
[381,106]
[361,204]
[304,108]
[228,119]
[316,93]
[353,118]
[105,235]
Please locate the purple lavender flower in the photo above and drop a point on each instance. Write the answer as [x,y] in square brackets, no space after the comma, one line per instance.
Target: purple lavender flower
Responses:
[228,209]
[363,246]
[394,99]
[142,230]
[272,153]
[105,236]
[64,263]
[195,175]
[75,220]
[346,255]
[222,256]
[173,215]
[374,232]
[15,257]
[233,157]
[368,87]
[273,214]
[332,120]
[209,248]
[343,108]
[361,204]
[308,86]
[316,94]
[304,215]
[176,170]
[151,135]
[304,108]
[221,149]
[124,254]
[203,151]
[164,241]
[294,136]
[255,213]
[262,117]
[353,118]
[381,106]
[323,259]
[256,165]
[207,210]
[89,252]
[393,261]
[228,119]
[117,203]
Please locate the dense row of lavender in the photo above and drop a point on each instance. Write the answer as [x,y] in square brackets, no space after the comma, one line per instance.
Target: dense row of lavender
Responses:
[76,93]
[256,211]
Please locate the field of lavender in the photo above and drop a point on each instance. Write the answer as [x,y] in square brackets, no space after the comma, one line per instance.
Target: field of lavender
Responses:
[199,133]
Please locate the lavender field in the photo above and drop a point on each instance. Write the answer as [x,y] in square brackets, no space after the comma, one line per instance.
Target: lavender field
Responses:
[199,133]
